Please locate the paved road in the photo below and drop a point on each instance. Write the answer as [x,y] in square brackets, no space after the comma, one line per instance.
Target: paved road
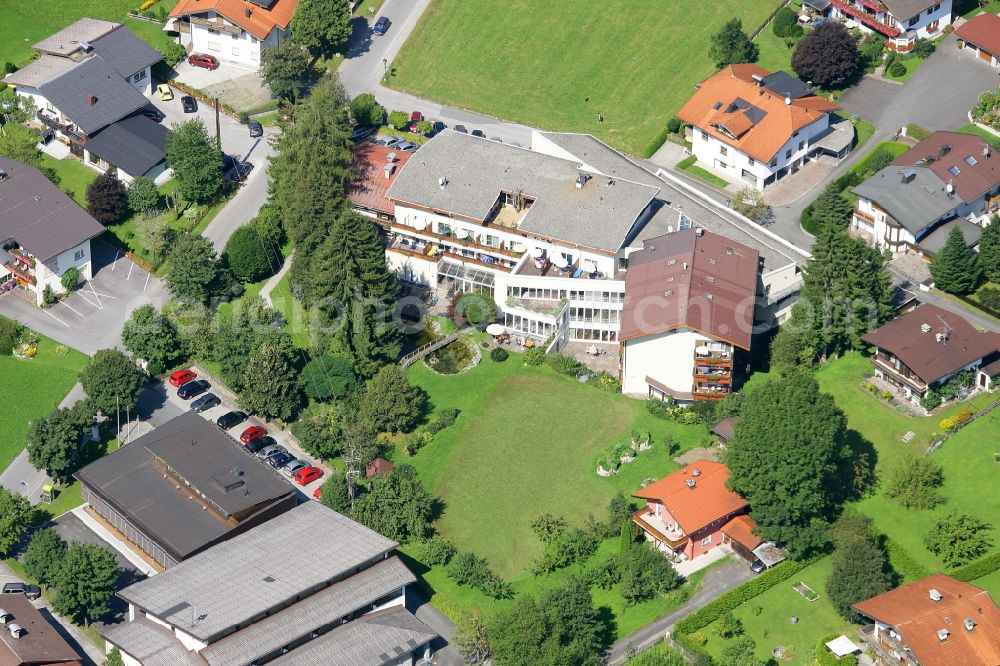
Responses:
[363,69]
[444,654]
[718,580]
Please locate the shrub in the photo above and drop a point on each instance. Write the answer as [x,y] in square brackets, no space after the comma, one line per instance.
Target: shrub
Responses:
[674,125]
[729,626]
[534,356]
[48,296]
[655,143]
[398,119]
[468,569]
[107,199]
[328,377]
[499,355]
[565,365]
[417,440]
[959,538]
[604,574]
[826,658]
[172,53]
[606,381]
[878,160]
[250,257]
[10,335]
[445,418]
[990,297]
[659,408]
[479,309]
[70,279]
[953,423]
[923,48]
[896,69]
[978,569]
[915,481]
[437,551]
[903,564]
[366,110]
[423,127]
[931,399]
[784,21]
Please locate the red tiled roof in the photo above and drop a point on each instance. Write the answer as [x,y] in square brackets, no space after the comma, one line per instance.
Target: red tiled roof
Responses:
[917,619]
[41,642]
[983,31]
[705,282]
[953,150]
[377,467]
[260,23]
[711,106]
[370,184]
[694,508]
[740,529]
[905,338]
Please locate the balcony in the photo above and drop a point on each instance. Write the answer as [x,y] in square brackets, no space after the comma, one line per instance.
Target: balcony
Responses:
[650,523]
[66,128]
[22,275]
[866,18]
[898,374]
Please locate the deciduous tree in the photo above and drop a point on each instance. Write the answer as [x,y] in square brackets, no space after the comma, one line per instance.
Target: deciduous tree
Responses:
[143,196]
[959,538]
[111,381]
[53,441]
[107,199]
[149,335]
[318,430]
[915,482]
[396,505]
[85,580]
[391,403]
[193,270]
[15,517]
[732,46]
[44,555]
[196,161]
[251,256]
[645,574]
[20,144]
[334,493]
[270,383]
[954,268]
[827,56]
[322,26]
[471,637]
[285,69]
[750,202]
[328,377]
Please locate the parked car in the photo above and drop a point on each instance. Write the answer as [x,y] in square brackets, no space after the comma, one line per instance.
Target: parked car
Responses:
[256,129]
[205,402]
[392,141]
[757,566]
[252,433]
[189,104]
[516,144]
[269,451]
[231,419]
[235,169]
[416,117]
[460,128]
[30,591]
[203,60]
[278,460]
[362,132]
[260,443]
[437,126]
[480,133]
[307,475]
[381,25]
[153,114]
[193,388]
[291,468]
[181,377]
[165,93]
[407,146]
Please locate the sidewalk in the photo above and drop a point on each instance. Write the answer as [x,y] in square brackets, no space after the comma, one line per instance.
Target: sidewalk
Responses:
[113,541]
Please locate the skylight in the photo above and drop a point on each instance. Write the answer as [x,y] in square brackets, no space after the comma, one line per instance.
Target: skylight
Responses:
[953,170]
[971,161]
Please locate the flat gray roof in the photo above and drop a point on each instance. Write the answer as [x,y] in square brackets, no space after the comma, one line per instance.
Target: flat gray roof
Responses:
[375,639]
[914,204]
[599,215]
[260,571]
[93,95]
[150,643]
[223,475]
[68,40]
[37,72]
[313,613]
[43,219]
[601,157]
[935,240]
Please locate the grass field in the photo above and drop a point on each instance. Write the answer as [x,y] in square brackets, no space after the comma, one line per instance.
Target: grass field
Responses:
[555,65]
[74,177]
[32,388]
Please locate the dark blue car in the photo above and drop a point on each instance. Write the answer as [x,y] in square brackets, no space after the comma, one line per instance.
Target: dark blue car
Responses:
[381,25]
[279,459]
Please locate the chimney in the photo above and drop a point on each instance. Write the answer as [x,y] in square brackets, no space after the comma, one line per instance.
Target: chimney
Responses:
[696,472]
[925,328]
[788,101]
[934,594]
[685,265]
[389,168]
[91,100]
[969,624]
[690,483]
[944,150]
[442,182]
[5,617]
[17,630]
[699,231]
[943,634]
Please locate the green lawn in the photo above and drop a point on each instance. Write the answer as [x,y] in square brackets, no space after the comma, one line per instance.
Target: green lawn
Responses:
[970,8]
[775,55]
[773,625]
[688,165]
[35,387]
[990,583]
[556,65]
[74,177]
[911,64]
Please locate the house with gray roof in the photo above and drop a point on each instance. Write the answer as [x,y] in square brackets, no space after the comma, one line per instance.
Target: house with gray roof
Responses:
[88,77]
[310,586]
[949,180]
[43,232]
[901,22]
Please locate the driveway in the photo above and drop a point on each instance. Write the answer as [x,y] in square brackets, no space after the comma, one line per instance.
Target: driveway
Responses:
[91,318]
[239,86]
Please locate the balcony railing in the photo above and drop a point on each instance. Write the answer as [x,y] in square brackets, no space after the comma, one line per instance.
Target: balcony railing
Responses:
[454,240]
[867,19]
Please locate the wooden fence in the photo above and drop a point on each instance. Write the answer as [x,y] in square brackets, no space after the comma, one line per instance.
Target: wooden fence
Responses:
[760,28]
[935,445]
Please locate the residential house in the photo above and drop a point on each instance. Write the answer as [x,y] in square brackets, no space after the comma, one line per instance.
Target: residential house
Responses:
[88,83]
[927,346]
[234,31]
[548,232]
[311,587]
[754,127]
[375,169]
[935,621]
[43,232]
[690,298]
[28,639]
[981,35]
[946,181]
[691,512]
[182,488]
[901,22]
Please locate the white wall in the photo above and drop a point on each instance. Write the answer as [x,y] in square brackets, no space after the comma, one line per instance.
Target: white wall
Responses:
[975,49]
[412,269]
[942,15]
[666,357]
[142,81]
[50,272]
[244,49]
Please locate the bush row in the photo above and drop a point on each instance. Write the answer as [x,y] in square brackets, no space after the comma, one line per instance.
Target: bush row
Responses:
[903,563]
[981,567]
[686,162]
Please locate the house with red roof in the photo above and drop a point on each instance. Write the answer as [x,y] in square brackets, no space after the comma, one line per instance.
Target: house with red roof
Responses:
[691,511]
[375,170]
[236,31]
[754,127]
[981,35]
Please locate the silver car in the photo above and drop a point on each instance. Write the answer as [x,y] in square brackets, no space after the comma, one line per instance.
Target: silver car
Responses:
[269,451]
[292,467]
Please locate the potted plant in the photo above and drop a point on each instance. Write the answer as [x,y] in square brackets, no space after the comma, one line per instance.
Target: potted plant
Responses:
[607,465]
[624,453]
[640,439]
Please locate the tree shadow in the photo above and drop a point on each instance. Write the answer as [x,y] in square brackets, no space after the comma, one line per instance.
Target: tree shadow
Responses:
[361,38]
[609,626]
[857,470]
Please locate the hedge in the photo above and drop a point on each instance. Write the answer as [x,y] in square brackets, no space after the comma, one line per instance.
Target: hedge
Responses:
[903,564]
[713,610]
[981,567]
[657,141]
[686,162]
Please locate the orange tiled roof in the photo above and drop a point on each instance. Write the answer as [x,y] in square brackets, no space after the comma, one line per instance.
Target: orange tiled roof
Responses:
[694,508]
[918,618]
[722,99]
[260,23]
[370,184]
[740,529]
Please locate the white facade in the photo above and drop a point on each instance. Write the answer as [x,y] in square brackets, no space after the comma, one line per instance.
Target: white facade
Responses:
[927,24]
[50,273]
[666,357]
[868,217]
[142,81]
[985,56]
[736,166]
[234,45]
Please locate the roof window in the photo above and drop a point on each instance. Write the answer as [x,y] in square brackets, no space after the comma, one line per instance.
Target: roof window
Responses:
[971,161]
[954,170]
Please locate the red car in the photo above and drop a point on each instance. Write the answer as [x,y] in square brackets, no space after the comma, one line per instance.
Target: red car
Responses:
[252,433]
[203,60]
[182,377]
[416,117]
[307,475]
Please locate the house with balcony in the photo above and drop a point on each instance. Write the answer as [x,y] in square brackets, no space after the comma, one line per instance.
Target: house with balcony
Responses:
[234,31]
[946,181]
[691,512]
[375,170]
[753,127]
[88,84]
[935,621]
[43,232]
[901,22]
[309,587]
[927,346]
[688,317]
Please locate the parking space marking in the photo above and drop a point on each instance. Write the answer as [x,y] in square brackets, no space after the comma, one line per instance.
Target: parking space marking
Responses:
[96,295]
[147,282]
[131,265]
[72,308]
[96,305]
[56,318]
[115,262]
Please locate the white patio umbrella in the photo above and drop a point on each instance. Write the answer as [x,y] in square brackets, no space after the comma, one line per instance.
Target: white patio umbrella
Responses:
[495,329]
[537,252]
[702,350]
[462,234]
[561,261]
[420,225]
[519,247]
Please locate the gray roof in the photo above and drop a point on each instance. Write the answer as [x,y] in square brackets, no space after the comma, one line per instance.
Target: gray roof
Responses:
[372,640]
[126,53]
[68,40]
[150,643]
[907,9]
[133,481]
[915,204]
[43,219]
[264,570]
[37,72]
[135,144]
[478,171]
[601,157]
[935,240]
[313,613]
[114,97]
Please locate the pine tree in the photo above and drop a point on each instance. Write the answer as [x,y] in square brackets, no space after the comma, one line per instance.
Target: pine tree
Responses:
[831,208]
[860,566]
[954,269]
[732,46]
[989,250]
[270,383]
